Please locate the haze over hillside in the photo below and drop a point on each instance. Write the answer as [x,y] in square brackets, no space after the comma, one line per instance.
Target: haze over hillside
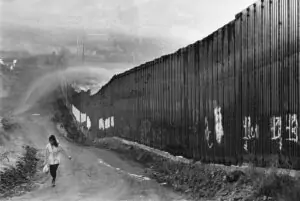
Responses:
[129,31]
[115,47]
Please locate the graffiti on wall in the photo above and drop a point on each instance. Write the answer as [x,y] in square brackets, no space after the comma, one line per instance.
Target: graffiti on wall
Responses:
[207,134]
[292,128]
[81,117]
[250,132]
[218,124]
[106,123]
[76,113]
[88,122]
[219,132]
[276,126]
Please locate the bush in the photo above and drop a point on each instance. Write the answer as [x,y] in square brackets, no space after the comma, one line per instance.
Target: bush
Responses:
[21,174]
[9,123]
[278,186]
[63,116]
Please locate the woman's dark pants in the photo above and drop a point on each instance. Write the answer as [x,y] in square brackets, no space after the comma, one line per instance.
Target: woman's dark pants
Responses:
[53,169]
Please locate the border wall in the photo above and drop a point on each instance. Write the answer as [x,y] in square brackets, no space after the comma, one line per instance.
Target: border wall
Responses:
[232,97]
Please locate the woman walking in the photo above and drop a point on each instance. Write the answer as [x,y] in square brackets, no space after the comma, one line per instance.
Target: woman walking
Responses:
[52,156]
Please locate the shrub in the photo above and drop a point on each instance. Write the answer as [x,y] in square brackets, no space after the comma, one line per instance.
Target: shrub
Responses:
[20,174]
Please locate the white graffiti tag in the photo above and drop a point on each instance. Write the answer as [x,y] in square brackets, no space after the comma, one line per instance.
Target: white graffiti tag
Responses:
[218,124]
[106,123]
[207,134]
[292,128]
[250,132]
[276,124]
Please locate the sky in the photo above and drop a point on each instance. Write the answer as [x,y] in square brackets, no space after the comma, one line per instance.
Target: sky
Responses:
[113,28]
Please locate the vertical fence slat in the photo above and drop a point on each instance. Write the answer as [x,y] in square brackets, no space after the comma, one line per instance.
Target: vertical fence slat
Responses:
[255,123]
[220,82]
[211,83]
[197,101]
[201,133]
[237,87]
[224,94]
[244,77]
[207,139]
[230,105]
[182,106]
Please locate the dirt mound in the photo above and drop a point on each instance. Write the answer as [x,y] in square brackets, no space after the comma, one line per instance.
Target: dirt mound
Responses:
[206,182]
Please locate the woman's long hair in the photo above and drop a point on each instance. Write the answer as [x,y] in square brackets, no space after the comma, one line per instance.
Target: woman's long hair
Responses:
[53,139]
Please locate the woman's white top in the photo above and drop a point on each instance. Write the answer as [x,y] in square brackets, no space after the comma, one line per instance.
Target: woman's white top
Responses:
[53,154]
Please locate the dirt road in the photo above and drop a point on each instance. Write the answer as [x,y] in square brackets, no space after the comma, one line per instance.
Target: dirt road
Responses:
[92,174]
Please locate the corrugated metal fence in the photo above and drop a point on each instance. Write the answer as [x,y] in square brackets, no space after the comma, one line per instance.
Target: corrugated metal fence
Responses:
[231,97]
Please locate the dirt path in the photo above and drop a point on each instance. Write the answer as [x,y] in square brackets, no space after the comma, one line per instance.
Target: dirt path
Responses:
[93,174]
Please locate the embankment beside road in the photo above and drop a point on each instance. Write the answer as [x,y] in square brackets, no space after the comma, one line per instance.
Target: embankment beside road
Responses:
[203,181]
[20,161]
